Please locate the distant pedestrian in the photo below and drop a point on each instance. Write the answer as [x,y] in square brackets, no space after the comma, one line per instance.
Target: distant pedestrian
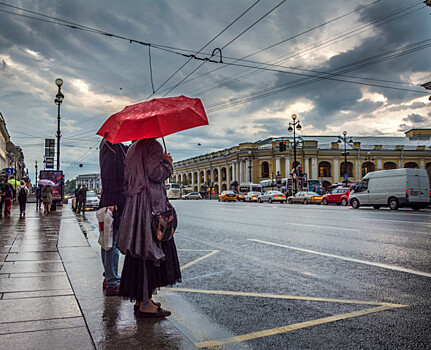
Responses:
[22,198]
[2,189]
[7,198]
[111,160]
[76,194]
[38,193]
[47,194]
[82,199]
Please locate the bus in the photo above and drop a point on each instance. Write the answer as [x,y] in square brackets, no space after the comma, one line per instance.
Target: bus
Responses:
[269,185]
[247,187]
[173,191]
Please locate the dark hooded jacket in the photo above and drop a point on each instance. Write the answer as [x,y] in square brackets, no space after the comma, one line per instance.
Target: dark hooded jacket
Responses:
[111,160]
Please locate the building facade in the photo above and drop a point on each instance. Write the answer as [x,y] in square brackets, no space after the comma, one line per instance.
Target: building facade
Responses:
[92,181]
[321,158]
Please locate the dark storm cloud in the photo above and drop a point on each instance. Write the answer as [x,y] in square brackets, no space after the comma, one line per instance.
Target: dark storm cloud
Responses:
[416,118]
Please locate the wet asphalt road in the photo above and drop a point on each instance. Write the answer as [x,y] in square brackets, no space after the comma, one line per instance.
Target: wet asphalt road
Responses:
[279,276]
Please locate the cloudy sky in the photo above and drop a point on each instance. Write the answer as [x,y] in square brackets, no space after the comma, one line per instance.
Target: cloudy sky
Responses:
[338,64]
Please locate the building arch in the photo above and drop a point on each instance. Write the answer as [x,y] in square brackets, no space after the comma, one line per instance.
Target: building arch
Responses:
[215,175]
[411,165]
[224,187]
[264,170]
[349,169]
[230,173]
[325,169]
[202,176]
[195,177]
[223,174]
[389,166]
[325,186]
[367,167]
[179,179]
[209,178]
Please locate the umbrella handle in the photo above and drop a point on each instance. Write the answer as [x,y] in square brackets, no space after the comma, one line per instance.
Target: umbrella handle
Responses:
[164,144]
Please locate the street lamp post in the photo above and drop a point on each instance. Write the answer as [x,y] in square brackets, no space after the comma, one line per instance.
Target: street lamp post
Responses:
[293,126]
[35,167]
[344,139]
[58,101]
[250,166]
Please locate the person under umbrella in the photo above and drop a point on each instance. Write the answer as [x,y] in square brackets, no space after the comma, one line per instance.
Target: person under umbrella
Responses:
[149,264]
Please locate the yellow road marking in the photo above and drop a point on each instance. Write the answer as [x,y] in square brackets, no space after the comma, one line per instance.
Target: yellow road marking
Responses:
[199,259]
[287,297]
[292,327]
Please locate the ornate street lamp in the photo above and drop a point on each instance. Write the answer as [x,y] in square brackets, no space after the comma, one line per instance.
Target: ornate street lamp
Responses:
[344,139]
[250,166]
[293,126]
[58,101]
[35,167]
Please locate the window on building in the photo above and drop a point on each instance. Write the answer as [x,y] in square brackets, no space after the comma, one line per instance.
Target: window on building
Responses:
[348,169]
[389,166]
[223,174]
[325,169]
[411,165]
[367,167]
[265,170]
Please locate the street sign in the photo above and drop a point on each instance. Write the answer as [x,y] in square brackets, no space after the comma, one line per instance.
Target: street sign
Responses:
[49,147]
[294,175]
[8,171]
[346,176]
[49,162]
[278,180]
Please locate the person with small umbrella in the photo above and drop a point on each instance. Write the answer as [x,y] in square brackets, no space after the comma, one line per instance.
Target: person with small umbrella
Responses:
[2,189]
[47,194]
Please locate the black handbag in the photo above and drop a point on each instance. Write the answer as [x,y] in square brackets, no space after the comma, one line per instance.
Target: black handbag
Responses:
[163,225]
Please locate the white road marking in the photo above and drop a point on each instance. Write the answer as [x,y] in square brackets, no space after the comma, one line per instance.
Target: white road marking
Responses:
[384,266]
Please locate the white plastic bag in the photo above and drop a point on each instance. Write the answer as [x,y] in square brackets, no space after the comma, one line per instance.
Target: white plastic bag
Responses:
[106,228]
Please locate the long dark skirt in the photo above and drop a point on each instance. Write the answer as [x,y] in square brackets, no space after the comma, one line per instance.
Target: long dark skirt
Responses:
[134,271]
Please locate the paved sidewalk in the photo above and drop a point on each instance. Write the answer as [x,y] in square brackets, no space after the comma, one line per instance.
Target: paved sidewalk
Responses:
[51,293]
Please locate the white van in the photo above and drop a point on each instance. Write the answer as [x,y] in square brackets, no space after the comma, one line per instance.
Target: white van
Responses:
[393,188]
[246,187]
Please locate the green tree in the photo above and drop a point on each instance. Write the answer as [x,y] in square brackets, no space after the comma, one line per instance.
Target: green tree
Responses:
[70,186]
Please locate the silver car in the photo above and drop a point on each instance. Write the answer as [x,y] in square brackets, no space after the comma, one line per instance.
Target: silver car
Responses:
[251,196]
[272,196]
[192,195]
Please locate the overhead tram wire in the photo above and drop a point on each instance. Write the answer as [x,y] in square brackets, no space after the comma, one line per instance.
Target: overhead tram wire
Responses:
[230,42]
[293,37]
[330,76]
[326,43]
[241,15]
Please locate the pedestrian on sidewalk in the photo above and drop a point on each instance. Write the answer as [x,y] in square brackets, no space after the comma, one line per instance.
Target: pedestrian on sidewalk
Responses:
[2,189]
[7,198]
[149,264]
[47,198]
[77,194]
[38,196]
[82,199]
[22,191]
[111,160]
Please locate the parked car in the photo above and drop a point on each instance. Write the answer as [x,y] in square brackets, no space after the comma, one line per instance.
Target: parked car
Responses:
[338,195]
[192,195]
[251,196]
[395,188]
[227,196]
[305,198]
[271,196]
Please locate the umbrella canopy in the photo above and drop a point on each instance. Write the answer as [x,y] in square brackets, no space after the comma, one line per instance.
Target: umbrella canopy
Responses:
[45,182]
[152,119]
[14,182]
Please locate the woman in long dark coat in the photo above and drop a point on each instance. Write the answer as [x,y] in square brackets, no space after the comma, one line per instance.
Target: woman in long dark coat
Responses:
[148,265]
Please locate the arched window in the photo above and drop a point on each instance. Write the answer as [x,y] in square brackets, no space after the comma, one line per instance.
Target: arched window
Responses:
[179,179]
[230,173]
[411,165]
[215,173]
[348,169]
[201,175]
[265,170]
[195,177]
[367,167]
[325,169]
[223,187]
[389,166]
[223,174]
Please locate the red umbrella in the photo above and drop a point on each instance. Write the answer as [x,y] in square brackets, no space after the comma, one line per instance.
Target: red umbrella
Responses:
[152,119]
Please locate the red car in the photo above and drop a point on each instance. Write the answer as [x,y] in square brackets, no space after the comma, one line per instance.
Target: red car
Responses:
[338,195]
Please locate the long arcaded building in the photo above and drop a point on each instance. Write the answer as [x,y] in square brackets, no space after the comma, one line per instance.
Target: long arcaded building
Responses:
[320,157]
